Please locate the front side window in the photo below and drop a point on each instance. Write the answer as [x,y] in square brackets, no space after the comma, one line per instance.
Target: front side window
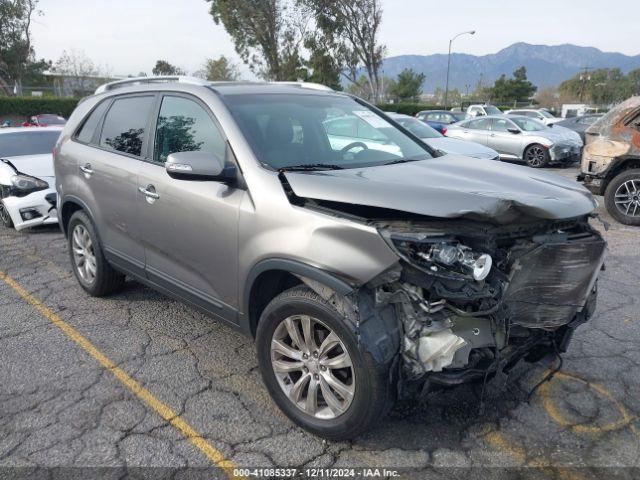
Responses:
[184,126]
[286,130]
[502,125]
[125,126]
[17,144]
[529,124]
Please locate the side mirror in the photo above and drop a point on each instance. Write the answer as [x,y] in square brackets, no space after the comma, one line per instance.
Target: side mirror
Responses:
[513,130]
[199,166]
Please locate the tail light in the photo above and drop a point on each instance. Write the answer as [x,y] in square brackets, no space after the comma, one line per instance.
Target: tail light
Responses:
[444,130]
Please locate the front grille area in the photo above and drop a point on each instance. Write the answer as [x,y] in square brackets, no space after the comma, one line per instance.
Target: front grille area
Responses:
[551,281]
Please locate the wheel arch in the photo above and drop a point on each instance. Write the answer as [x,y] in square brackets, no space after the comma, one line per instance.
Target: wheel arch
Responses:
[68,207]
[620,165]
[270,277]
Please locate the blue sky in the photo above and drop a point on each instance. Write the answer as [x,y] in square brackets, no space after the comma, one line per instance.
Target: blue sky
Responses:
[129,35]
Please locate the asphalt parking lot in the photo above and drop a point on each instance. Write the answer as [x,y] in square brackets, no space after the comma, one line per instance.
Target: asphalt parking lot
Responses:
[139,380]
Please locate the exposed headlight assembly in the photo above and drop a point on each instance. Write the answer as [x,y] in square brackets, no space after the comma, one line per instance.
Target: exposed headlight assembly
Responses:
[441,255]
[23,185]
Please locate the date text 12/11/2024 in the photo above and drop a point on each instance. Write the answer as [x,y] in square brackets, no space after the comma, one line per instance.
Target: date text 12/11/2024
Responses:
[315,473]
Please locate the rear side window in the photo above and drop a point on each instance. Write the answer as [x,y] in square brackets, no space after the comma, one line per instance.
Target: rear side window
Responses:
[88,129]
[125,126]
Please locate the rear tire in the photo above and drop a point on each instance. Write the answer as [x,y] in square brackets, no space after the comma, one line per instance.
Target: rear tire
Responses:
[366,382]
[537,156]
[622,197]
[5,218]
[94,273]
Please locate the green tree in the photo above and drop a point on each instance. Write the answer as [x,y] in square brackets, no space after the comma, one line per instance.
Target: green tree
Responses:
[267,34]
[322,67]
[16,50]
[220,69]
[516,89]
[408,86]
[602,86]
[165,68]
[350,29]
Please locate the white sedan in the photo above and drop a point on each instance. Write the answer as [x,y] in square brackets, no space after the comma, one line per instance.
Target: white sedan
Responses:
[27,181]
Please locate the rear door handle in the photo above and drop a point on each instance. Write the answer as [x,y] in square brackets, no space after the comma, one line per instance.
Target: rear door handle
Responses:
[86,169]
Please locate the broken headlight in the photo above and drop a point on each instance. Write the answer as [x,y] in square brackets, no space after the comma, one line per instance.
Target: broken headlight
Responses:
[445,256]
[23,185]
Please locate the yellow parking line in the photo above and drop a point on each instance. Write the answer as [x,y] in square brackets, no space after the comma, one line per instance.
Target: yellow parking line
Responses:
[142,393]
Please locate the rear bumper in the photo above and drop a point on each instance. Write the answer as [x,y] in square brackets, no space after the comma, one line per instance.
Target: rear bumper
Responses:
[32,210]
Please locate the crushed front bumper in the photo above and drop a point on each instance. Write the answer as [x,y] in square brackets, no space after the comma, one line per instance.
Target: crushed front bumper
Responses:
[542,287]
[565,154]
[37,208]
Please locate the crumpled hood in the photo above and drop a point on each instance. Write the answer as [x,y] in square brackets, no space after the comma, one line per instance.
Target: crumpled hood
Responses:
[461,147]
[449,187]
[38,166]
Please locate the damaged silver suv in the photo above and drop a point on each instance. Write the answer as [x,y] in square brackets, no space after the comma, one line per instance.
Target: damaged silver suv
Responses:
[367,266]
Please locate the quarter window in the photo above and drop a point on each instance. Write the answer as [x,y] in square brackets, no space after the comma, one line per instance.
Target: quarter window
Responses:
[184,126]
[125,126]
[88,129]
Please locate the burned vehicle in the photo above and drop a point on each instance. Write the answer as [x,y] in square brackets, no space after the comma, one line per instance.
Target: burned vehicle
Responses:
[611,161]
[365,271]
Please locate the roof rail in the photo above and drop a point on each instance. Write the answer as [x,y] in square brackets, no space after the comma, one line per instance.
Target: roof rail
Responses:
[309,85]
[145,80]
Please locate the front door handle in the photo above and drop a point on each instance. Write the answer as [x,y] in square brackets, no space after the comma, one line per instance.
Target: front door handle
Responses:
[149,192]
[86,169]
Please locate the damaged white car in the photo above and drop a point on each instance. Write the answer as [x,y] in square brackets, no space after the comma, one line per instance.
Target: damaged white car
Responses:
[27,182]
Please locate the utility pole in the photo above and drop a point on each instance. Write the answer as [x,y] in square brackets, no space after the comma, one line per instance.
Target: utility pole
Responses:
[584,78]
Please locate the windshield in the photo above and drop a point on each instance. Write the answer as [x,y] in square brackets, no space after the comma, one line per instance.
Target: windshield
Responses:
[491,110]
[528,124]
[17,144]
[286,131]
[418,128]
[51,120]
[546,114]
[458,116]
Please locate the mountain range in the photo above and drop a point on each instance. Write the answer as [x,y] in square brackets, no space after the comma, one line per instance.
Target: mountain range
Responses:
[547,66]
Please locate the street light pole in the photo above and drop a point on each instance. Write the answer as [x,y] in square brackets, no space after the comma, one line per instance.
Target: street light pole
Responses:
[446,91]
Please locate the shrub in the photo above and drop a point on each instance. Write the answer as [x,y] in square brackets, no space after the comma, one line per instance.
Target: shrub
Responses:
[27,106]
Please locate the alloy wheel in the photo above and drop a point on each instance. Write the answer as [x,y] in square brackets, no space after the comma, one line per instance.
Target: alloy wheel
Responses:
[5,218]
[313,367]
[535,156]
[627,198]
[83,254]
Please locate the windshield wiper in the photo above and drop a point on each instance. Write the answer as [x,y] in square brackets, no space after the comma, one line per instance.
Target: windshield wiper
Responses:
[310,167]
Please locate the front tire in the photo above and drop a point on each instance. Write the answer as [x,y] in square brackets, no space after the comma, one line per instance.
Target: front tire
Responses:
[94,273]
[315,370]
[5,218]
[537,156]
[622,197]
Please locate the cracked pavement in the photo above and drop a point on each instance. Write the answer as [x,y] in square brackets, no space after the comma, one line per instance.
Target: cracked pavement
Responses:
[60,408]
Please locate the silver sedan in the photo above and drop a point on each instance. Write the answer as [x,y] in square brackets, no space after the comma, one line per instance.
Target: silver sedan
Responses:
[520,138]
